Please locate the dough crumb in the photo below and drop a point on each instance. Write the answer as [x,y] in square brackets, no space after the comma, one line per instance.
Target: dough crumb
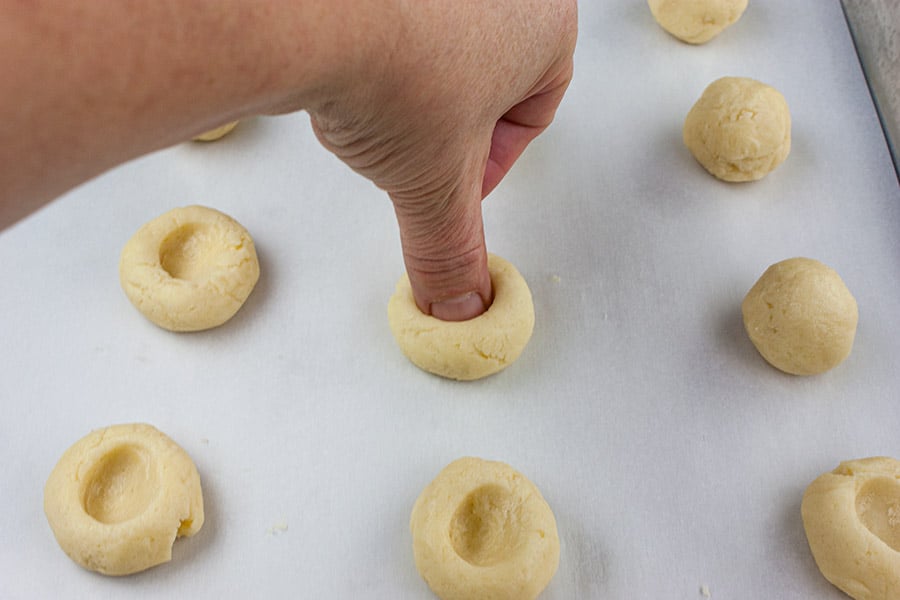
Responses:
[216,134]
[278,528]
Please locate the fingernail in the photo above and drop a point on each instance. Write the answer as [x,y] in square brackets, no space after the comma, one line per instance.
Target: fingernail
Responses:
[461,308]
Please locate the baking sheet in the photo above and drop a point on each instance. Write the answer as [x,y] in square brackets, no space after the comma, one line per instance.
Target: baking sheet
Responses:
[673,457]
[875,28]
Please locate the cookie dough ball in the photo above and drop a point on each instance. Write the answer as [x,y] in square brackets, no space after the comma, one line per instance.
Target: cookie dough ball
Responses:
[466,350]
[852,521]
[739,129]
[119,497]
[482,530]
[217,133]
[801,317]
[696,21]
[189,269]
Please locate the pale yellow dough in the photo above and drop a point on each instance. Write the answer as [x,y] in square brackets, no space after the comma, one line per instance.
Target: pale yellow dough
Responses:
[472,349]
[189,269]
[696,21]
[739,129]
[119,497]
[852,521]
[217,133]
[801,317]
[483,530]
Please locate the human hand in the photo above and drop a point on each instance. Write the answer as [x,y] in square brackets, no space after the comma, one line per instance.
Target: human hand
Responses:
[433,101]
[437,119]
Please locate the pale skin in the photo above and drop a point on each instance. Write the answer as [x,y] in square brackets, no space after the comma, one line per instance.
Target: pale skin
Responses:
[432,100]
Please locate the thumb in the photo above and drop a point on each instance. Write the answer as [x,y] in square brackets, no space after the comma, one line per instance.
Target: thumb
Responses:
[442,236]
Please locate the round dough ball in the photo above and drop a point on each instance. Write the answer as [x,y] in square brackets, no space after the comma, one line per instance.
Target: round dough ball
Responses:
[466,350]
[696,21]
[483,530]
[852,521]
[217,133]
[189,269]
[119,497]
[739,129]
[801,317]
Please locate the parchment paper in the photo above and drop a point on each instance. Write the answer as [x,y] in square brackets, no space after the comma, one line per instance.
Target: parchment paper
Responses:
[673,456]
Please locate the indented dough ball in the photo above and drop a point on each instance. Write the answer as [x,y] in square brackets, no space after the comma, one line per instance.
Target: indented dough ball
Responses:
[466,350]
[217,133]
[119,497]
[739,129]
[696,21]
[189,269]
[852,521]
[801,317]
[482,530]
